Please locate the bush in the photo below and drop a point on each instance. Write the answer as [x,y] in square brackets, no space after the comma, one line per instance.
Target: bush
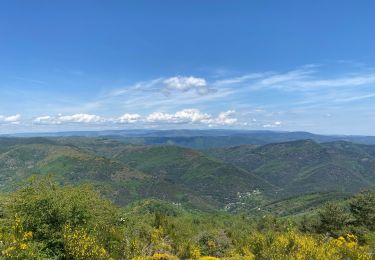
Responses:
[79,244]
[46,208]
[294,245]
[17,243]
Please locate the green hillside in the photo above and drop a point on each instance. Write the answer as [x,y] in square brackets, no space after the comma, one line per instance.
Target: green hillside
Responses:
[306,166]
[222,178]
[303,204]
[126,173]
[193,170]
[179,167]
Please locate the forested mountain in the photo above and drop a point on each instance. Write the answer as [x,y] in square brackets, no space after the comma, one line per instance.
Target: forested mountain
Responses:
[220,178]
[128,172]
[306,166]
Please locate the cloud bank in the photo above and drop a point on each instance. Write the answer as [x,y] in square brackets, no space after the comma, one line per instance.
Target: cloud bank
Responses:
[185,116]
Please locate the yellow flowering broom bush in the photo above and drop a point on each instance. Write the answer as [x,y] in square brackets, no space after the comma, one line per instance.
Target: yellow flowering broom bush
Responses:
[293,245]
[81,245]
[17,243]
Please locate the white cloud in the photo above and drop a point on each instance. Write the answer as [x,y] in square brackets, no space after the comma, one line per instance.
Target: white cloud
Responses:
[241,79]
[80,118]
[185,84]
[128,118]
[192,115]
[272,125]
[43,119]
[76,118]
[159,116]
[184,116]
[227,118]
[14,119]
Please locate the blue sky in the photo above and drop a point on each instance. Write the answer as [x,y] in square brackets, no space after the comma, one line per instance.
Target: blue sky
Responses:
[270,65]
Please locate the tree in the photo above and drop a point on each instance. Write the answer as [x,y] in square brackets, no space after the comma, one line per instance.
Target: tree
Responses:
[333,219]
[362,206]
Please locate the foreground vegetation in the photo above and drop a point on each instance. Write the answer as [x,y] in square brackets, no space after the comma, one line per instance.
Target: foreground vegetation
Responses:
[43,220]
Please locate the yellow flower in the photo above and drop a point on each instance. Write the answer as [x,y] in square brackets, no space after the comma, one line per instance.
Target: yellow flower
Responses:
[195,252]
[211,244]
[27,235]
[208,258]
[23,246]
[163,256]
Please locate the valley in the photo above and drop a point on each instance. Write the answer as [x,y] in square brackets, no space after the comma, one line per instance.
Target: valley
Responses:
[208,179]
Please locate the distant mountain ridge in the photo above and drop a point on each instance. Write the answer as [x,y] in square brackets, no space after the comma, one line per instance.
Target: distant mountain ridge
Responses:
[203,139]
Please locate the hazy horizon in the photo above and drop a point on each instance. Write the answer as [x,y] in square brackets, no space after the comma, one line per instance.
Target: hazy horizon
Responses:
[47,133]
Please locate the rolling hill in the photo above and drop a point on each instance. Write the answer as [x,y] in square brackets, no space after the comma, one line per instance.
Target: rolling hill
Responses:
[220,178]
[306,166]
[126,173]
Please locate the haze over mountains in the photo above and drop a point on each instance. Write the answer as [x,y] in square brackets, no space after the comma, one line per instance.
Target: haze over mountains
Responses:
[203,138]
[237,169]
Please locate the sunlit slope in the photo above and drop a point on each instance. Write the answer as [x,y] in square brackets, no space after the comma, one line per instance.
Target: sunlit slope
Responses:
[64,162]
